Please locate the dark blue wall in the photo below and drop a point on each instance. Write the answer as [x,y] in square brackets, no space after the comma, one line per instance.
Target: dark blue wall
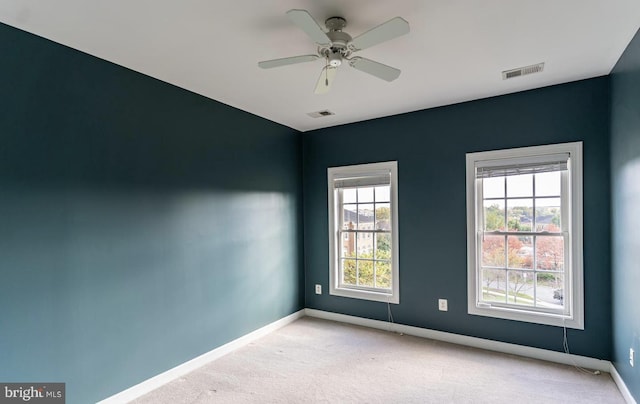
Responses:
[430,148]
[625,183]
[141,225]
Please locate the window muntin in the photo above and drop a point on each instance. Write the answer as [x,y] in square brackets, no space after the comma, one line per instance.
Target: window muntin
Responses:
[363,231]
[525,234]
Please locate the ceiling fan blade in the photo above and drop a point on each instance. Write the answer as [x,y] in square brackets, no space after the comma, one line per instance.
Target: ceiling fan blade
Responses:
[325,80]
[268,64]
[393,28]
[305,22]
[379,70]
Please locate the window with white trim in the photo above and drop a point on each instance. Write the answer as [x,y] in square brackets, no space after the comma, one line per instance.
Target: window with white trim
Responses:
[524,234]
[363,231]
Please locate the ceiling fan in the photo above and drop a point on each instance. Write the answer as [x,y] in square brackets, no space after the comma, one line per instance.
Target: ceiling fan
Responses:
[335,46]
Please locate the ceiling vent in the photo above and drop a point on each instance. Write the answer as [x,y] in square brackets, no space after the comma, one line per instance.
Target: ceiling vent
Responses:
[521,71]
[320,114]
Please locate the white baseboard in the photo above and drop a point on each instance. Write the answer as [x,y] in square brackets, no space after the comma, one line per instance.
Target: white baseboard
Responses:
[622,386]
[504,347]
[153,383]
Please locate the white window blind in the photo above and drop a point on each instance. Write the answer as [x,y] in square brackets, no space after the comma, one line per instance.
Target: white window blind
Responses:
[529,165]
[363,180]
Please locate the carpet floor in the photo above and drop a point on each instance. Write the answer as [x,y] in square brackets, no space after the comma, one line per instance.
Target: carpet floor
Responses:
[319,361]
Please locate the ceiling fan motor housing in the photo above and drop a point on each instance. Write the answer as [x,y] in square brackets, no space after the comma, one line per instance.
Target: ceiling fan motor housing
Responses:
[339,39]
[337,49]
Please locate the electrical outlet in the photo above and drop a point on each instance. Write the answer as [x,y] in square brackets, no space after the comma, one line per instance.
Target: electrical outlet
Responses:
[632,358]
[442,305]
[318,289]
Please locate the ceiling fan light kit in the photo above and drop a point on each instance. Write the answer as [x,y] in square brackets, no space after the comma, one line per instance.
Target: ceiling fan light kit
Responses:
[335,46]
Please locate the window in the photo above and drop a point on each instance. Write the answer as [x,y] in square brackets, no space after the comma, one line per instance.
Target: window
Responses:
[363,231]
[524,234]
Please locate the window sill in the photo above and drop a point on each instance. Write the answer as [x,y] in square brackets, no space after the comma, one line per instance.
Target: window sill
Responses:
[365,295]
[557,320]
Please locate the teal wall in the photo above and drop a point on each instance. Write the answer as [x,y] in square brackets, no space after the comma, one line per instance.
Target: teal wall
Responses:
[141,225]
[430,147]
[625,184]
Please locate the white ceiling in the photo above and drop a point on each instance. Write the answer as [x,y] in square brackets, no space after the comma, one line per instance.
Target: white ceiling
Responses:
[455,52]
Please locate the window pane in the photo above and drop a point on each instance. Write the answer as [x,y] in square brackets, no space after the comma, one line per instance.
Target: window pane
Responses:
[365,273]
[365,216]
[349,216]
[520,252]
[493,251]
[548,214]
[349,272]
[548,184]
[383,216]
[519,214]
[365,245]
[520,288]
[383,246]
[365,194]
[383,194]
[349,195]
[383,274]
[550,253]
[348,246]
[494,285]
[550,290]
[493,187]
[519,185]
[493,215]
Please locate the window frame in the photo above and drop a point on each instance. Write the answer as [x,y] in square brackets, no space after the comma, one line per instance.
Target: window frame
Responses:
[391,295]
[571,212]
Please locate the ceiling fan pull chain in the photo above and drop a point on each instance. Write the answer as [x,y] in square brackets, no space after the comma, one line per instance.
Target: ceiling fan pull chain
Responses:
[326,72]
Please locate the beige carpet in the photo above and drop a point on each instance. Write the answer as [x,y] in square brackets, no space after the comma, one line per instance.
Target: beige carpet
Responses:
[318,361]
